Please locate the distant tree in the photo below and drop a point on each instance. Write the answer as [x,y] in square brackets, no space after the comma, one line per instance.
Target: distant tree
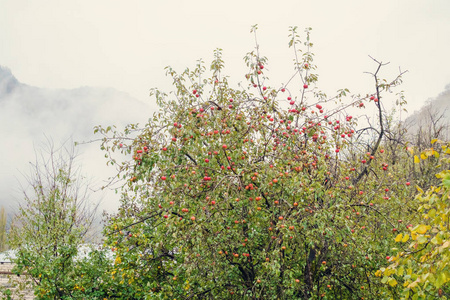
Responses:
[3,245]
[51,223]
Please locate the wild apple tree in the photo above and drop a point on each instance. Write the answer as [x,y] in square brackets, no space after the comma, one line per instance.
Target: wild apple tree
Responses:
[255,191]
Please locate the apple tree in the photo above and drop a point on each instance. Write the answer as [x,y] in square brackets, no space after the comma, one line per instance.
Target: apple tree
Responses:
[256,191]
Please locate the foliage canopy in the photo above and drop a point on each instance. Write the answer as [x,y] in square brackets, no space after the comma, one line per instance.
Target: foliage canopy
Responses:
[256,192]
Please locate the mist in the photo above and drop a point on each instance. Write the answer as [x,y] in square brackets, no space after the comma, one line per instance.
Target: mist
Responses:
[32,117]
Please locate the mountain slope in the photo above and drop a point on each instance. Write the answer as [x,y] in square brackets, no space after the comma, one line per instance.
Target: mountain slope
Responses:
[433,119]
[31,115]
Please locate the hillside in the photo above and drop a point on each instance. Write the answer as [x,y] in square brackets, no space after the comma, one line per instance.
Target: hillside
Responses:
[432,119]
[31,115]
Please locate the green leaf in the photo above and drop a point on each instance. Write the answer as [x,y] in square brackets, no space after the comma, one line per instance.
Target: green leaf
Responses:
[446,181]
[422,239]
[441,279]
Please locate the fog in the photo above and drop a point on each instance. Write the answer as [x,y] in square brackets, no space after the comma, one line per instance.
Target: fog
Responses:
[31,117]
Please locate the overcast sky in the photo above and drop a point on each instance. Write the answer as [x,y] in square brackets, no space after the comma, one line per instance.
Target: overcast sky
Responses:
[126,44]
[56,44]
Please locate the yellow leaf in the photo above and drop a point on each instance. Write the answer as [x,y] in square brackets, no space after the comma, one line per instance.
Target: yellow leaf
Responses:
[405,238]
[444,245]
[436,240]
[433,141]
[413,284]
[423,156]
[436,154]
[392,282]
[432,213]
[399,237]
[422,229]
[416,159]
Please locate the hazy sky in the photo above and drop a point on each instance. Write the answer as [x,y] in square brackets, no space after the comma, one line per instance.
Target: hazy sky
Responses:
[126,44]
[55,44]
